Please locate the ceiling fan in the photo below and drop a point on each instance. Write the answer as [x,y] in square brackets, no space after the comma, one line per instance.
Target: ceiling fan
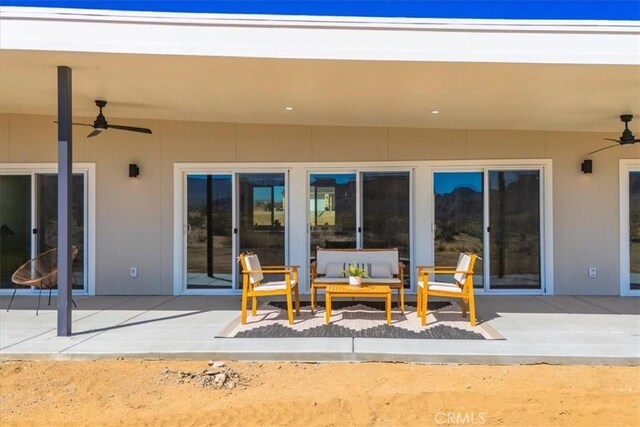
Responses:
[626,137]
[100,124]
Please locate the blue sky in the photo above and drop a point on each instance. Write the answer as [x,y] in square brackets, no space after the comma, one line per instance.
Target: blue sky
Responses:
[469,9]
[446,182]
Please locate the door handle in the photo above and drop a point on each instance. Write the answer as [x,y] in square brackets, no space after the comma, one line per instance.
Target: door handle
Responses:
[188,228]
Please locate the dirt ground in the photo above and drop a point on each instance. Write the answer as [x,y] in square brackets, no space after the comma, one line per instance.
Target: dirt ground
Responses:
[171,393]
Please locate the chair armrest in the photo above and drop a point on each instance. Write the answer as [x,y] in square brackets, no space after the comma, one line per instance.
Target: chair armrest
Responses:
[422,270]
[280,270]
[437,267]
[269,267]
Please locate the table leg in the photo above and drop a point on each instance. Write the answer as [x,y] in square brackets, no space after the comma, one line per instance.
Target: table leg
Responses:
[388,306]
[328,307]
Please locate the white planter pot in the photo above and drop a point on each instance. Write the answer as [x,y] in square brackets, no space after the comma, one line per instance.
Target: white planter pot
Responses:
[355,281]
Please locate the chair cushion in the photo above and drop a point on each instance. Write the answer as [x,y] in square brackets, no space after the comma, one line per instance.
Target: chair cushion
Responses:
[253,263]
[463,265]
[442,286]
[278,285]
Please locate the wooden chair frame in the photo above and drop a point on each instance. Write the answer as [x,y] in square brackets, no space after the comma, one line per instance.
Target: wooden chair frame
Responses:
[252,290]
[466,295]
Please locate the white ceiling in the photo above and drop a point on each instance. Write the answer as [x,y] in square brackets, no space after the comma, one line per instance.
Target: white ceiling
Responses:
[327,92]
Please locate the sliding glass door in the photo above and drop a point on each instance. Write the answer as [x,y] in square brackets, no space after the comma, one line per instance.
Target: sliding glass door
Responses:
[209,232]
[458,219]
[230,213]
[15,225]
[29,222]
[514,229]
[633,193]
[368,209]
[262,216]
[503,225]
[332,211]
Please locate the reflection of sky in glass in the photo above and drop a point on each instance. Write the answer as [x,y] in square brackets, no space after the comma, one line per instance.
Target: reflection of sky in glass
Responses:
[261,194]
[338,178]
[447,182]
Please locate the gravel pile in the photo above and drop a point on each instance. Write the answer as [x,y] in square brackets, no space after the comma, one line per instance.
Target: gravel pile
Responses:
[216,375]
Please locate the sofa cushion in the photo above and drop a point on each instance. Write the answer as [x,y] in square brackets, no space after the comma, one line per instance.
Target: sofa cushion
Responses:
[335,269]
[380,270]
[325,257]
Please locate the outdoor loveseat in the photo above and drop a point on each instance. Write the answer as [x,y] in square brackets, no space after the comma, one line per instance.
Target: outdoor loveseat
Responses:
[382,266]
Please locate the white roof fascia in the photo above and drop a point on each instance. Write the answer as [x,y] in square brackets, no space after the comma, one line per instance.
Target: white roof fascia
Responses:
[313,37]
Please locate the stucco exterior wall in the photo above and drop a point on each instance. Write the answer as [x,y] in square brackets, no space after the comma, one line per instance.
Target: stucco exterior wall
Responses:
[134,217]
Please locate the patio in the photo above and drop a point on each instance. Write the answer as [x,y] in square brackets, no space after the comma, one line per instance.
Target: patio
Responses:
[538,329]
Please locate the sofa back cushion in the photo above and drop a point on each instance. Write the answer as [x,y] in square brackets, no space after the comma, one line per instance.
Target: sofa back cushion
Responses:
[325,257]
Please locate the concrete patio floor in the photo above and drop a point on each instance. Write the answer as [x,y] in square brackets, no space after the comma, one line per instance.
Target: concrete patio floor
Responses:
[538,329]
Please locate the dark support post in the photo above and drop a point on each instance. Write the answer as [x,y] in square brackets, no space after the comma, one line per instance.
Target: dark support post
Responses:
[209,226]
[65,169]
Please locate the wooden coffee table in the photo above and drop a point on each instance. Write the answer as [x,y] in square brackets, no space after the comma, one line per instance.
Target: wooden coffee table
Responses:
[346,291]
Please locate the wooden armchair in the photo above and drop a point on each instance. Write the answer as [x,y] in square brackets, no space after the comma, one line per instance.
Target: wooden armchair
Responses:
[462,286]
[254,286]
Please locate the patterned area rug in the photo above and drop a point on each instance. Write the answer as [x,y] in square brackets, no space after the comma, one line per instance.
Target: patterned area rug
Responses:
[364,319]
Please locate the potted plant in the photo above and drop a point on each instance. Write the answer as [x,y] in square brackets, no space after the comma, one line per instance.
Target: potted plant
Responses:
[355,274]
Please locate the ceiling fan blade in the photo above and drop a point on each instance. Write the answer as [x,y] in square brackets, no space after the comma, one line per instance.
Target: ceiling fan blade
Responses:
[130,128]
[605,148]
[612,140]
[94,133]
[76,124]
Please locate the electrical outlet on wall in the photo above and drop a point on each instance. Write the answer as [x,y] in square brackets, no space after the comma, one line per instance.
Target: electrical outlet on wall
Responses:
[593,272]
[133,272]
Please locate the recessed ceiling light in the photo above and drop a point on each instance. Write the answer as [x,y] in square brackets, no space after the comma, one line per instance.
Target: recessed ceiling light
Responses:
[435,112]
[288,108]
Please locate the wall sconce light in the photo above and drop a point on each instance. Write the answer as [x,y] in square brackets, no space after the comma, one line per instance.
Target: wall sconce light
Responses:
[134,170]
[587,166]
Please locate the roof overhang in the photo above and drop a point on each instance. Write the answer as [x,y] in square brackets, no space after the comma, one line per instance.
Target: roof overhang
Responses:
[333,71]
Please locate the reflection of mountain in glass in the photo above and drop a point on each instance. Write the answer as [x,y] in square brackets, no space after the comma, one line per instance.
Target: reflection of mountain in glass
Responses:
[458,212]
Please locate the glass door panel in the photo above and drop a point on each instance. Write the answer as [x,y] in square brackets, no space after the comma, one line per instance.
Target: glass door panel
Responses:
[15,225]
[386,206]
[210,232]
[262,217]
[634,230]
[47,219]
[514,234]
[332,211]
[459,219]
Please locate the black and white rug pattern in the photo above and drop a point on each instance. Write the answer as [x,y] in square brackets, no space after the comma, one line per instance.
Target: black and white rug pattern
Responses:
[359,319]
